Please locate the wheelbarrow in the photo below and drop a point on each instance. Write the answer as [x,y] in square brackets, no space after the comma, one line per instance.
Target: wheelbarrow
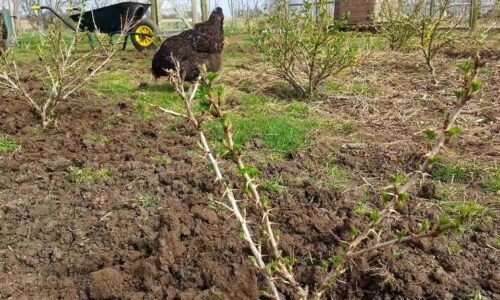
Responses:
[111,19]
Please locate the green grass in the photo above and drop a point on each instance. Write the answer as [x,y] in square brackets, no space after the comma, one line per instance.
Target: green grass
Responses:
[273,186]
[83,175]
[334,86]
[278,132]
[347,128]
[452,173]
[471,212]
[146,200]
[253,99]
[363,88]
[338,177]
[297,109]
[117,85]
[495,242]
[112,120]
[161,160]
[491,183]
[96,138]
[7,144]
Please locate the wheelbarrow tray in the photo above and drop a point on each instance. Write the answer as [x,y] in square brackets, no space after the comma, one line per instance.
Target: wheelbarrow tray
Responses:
[110,19]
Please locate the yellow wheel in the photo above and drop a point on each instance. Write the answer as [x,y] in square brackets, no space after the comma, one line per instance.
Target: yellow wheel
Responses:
[145,35]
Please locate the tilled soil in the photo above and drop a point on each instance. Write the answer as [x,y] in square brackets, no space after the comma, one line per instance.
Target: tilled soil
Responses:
[94,240]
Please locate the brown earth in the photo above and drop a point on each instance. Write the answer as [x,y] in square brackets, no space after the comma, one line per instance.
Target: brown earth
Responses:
[65,240]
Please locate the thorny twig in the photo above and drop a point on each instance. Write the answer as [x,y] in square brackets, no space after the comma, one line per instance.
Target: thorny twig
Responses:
[188,97]
[469,89]
[264,209]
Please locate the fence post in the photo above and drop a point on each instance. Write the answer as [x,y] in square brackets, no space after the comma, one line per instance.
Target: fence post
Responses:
[194,11]
[473,14]
[155,12]
[204,10]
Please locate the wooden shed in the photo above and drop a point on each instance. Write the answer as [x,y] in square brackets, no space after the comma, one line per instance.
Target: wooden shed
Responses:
[358,12]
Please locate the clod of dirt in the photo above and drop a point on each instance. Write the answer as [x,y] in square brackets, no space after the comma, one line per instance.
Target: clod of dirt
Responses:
[428,191]
[205,214]
[254,144]
[106,284]
[494,282]
[169,244]
[439,275]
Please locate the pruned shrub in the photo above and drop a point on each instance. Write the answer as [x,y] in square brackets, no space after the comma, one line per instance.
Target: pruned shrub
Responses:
[302,46]
[393,23]
[65,66]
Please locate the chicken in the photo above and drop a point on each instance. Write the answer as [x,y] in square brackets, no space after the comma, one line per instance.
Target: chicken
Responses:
[3,33]
[192,48]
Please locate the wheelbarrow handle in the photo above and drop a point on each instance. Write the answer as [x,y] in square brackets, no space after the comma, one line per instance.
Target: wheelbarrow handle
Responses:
[66,22]
[72,9]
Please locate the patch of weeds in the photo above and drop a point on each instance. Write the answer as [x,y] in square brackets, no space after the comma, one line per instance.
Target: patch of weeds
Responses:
[491,183]
[83,175]
[273,186]
[146,200]
[337,176]
[478,214]
[366,193]
[361,208]
[444,193]
[478,296]
[452,173]
[334,86]
[254,99]
[7,144]
[162,160]
[112,120]
[454,247]
[96,138]
[347,128]
[297,109]
[363,89]
[495,242]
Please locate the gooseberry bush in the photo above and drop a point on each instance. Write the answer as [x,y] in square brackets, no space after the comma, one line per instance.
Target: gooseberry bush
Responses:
[278,270]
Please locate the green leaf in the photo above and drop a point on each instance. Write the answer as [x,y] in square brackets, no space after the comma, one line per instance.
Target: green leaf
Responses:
[335,259]
[205,105]
[211,76]
[386,196]
[398,179]
[433,159]
[459,94]
[400,234]
[453,131]
[250,170]
[265,201]
[466,66]
[430,135]
[443,222]
[374,216]
[253,260]
[425,225]
[403,197]
[476,85]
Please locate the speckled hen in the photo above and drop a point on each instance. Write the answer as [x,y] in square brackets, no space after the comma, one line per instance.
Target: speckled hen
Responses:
[192,48]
